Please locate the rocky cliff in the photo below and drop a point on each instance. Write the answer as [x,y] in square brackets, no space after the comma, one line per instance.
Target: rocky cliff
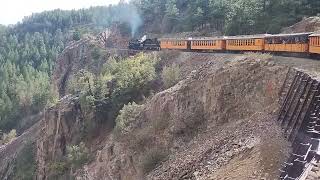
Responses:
[61,126]
[219,116]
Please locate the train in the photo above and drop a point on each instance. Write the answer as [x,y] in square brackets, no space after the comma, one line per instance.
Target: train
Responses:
[307,43]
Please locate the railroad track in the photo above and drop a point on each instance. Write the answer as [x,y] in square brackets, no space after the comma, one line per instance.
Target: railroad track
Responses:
[131,52]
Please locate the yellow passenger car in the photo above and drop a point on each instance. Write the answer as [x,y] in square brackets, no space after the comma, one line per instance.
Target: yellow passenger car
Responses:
[173,44]
[314,43]
[297,43]
[245,43]
[208,44]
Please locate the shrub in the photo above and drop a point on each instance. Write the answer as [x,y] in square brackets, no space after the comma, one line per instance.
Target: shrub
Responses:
[131,74]
[58,168]
[166,58]
[170,75]
[85,84]
[87,103]
[82,82]
[96,53]
[77,155]
[7,138]
[76,35]
[128,114]
[152,158]
[258,55]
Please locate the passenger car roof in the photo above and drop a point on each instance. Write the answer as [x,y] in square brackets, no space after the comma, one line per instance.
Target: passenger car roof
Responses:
[175,39]
[205,38]
[315,34]
[288,35]
[259,36]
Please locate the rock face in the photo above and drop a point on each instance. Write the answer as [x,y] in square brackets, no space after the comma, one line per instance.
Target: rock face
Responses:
[220,95]
[185,120]
[61,126]
[77,56]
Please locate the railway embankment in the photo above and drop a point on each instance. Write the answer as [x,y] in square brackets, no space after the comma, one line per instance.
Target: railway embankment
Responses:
[299,118]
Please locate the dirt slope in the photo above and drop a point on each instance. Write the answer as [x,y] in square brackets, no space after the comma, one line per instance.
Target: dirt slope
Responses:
[310,24]
[242,150]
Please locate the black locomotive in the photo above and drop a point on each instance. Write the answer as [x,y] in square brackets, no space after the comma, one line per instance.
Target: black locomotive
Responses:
[144,44]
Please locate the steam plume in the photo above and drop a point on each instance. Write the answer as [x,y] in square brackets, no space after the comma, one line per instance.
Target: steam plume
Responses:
[128,13]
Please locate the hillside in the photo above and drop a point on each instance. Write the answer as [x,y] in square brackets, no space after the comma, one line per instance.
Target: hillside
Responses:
[76,104]
[214,123]
[65,125]
[28,50]
[310,24]
[228,17]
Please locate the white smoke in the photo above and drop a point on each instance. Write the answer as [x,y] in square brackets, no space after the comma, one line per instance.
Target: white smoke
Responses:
[129,14]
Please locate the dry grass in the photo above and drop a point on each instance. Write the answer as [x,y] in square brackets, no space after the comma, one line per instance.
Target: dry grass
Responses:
[170,75]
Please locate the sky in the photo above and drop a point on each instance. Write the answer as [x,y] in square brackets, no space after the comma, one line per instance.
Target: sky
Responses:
[12,11]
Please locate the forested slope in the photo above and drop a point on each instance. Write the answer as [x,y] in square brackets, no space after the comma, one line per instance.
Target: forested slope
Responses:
[232,17]
[28,51]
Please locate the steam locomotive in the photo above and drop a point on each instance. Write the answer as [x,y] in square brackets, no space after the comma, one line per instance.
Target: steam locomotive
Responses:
[144,44]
